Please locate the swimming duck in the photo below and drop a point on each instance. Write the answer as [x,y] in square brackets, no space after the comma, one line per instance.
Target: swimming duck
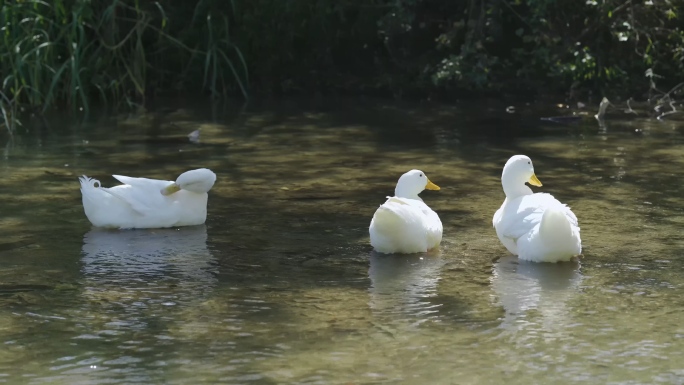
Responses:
[535,227]
[148,203]
[404,223]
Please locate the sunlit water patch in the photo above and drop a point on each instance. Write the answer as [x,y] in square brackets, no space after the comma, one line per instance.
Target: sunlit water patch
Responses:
[281,285]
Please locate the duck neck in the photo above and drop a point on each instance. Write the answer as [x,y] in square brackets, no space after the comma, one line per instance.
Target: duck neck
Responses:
[513,188]
[403,193]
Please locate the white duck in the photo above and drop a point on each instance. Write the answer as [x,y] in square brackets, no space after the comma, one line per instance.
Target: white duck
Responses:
[535,227]
[404,224]
[148,203]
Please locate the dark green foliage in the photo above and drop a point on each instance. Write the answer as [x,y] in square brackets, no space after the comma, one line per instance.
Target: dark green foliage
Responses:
[554,45]
[424,46]
[121,52]
[71,52]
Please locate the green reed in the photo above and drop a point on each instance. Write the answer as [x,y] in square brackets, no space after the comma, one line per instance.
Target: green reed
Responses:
[73,53]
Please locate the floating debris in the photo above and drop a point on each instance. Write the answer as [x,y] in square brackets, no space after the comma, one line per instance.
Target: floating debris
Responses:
[194,136]
[563,119]
[629,109]
[17,288]
[673,110]
[9,246]
[510,109]
[602,108]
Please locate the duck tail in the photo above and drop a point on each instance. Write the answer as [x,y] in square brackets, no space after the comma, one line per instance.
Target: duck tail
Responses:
[555,226]
[88,184]
[91,189]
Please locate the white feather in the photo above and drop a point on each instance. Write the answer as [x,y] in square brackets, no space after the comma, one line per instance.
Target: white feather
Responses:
[535,227]
[404,223]
[139,203]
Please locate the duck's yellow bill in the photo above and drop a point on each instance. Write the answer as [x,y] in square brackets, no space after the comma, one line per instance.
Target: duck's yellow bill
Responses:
[431,186]
[534,181]
[170,189]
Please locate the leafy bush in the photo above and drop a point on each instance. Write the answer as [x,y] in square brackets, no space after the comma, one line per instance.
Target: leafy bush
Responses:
[120,52]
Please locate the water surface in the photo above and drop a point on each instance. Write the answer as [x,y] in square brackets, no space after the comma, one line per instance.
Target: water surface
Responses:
[281,285]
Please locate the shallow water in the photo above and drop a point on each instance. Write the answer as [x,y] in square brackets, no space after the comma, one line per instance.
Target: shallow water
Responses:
[281,285]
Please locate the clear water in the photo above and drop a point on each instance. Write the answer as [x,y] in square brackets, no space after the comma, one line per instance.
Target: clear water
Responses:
[281,285]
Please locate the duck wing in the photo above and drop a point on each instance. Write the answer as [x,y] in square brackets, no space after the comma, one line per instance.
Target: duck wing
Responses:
[142,194]
[524,213]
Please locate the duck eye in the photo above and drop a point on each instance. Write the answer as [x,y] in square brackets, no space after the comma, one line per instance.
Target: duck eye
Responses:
[421,175]
[529,163]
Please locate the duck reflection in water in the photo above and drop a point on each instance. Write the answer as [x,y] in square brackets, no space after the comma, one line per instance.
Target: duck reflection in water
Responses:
[160,265]
[545,287]
[402,286]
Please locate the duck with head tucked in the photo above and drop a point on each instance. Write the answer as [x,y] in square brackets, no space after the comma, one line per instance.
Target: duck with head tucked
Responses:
[148,203]
[404,223]
[535,227]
